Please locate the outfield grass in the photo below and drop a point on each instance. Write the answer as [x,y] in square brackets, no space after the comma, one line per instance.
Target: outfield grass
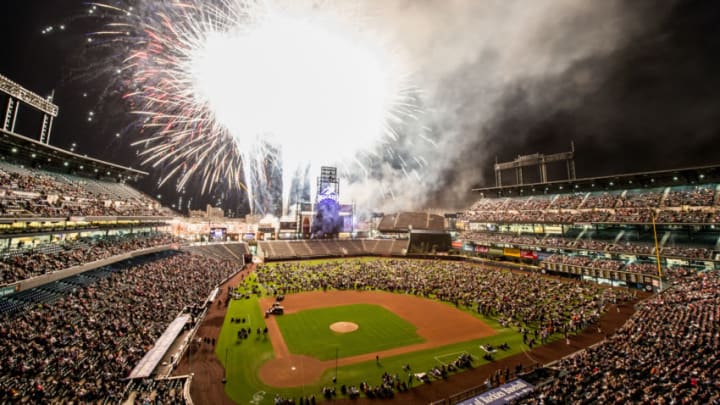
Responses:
[308,332]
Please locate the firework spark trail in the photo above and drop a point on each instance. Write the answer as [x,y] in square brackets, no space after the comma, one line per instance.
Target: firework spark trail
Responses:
[226,86]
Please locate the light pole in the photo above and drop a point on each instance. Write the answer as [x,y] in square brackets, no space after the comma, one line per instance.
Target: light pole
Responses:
[302,374]
[224,380]
[657,250]
[336,364]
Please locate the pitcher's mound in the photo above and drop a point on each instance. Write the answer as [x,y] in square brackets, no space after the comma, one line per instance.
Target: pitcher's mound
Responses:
[344,327]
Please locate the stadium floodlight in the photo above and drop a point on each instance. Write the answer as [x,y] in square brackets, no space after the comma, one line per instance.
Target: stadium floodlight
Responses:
[34,100]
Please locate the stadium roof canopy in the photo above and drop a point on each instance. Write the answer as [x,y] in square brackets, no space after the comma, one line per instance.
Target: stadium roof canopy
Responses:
[659,178]
[20,149]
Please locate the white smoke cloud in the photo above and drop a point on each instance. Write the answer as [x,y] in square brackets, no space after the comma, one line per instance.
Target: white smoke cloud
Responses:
[464,56]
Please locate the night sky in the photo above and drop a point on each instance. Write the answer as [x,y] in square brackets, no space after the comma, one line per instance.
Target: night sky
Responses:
[656,104]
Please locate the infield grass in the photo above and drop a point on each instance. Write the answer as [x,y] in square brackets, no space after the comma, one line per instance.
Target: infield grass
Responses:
[308,332]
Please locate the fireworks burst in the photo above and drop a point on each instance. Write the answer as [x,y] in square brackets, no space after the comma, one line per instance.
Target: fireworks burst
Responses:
[225,87]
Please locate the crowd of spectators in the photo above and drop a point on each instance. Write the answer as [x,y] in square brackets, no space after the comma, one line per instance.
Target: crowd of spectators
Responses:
[639,199]
[667,353]
[508,238]
[599,200]
[524,300]
[582,261]
[152,392]
[567,201]
[603,264]
[79,349]
[713,217]
[684,216]
[618,215]
[513,204]
[24,264]
[533,203]
[620,247]
[35,193]
[642,268]
[607,264]
[638,248]
[685,251]
[701,196]
[634,215]
[586,244]
[633,206]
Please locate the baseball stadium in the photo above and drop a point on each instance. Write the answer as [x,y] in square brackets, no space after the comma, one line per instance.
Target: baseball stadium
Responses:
[210,252]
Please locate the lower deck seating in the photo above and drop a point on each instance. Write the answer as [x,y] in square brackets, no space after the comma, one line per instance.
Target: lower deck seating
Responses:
[279,250]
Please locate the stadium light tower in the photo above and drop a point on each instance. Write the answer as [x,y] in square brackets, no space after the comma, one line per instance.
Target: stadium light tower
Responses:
[19,94]
[540,161]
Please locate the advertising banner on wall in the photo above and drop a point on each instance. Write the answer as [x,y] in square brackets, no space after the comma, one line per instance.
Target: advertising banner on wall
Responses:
[554,229]
[503,394]
[512,252]
[495,251]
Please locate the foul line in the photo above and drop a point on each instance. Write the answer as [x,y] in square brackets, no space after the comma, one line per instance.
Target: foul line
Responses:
[437,358]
